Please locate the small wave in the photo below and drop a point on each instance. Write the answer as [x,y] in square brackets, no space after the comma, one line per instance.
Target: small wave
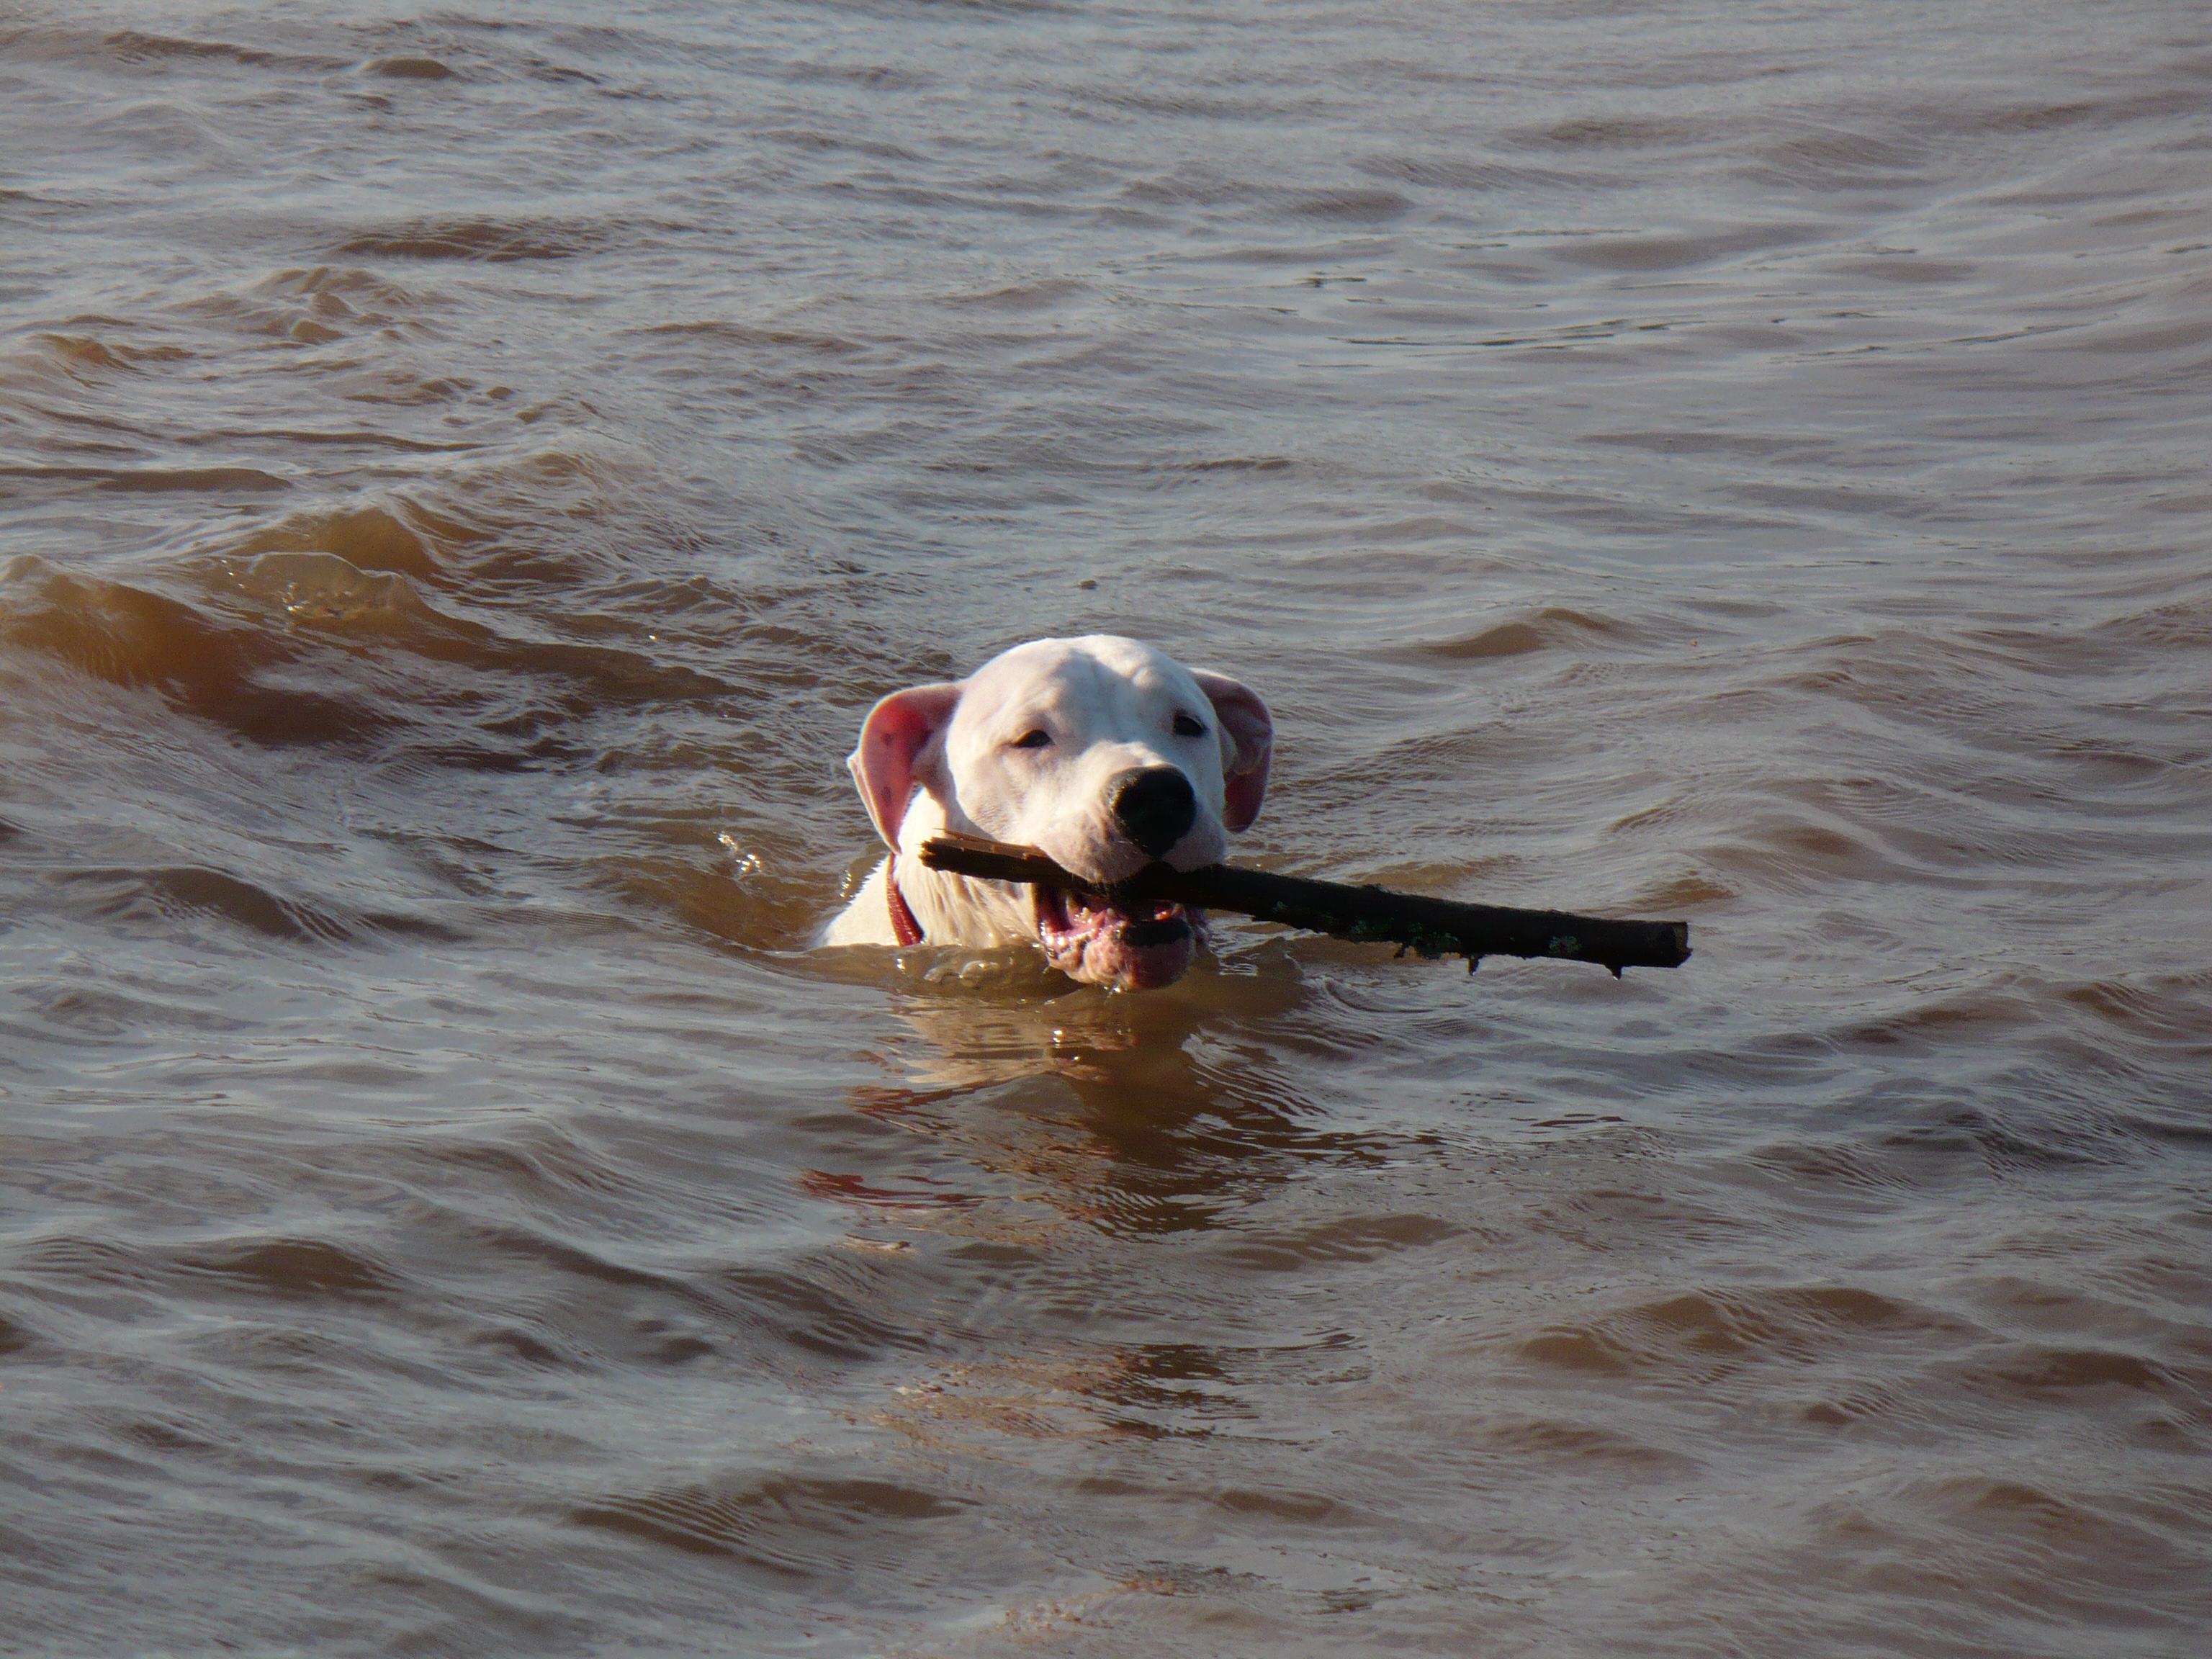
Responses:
[812,1317]
[403,538]
[2041,1368]
[1685,250]
[135,47]
[216,480]
[794,1527]
[1019,297]
[134,636]
[307,305]
[1349,1238]
[188,890]
[351,283]
[1631,132]
[873,77]
[1705,1334]
[1356,206]
[754,334]
[324,587]
[407,69]
[221,479]
[488,241]
[1555,625]
[1685,892]
[2164,1008]
[1512,639]
[1449,172]
[293,1269]
[85,354]
[1589,1446]
[1241,463]
[197,889]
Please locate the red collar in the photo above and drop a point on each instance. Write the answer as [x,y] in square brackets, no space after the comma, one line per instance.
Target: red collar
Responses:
[904,927]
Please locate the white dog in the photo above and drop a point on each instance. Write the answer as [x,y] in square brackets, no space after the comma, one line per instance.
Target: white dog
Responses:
[1103,752]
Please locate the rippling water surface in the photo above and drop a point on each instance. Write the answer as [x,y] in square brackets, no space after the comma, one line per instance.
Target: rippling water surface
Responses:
[464,477]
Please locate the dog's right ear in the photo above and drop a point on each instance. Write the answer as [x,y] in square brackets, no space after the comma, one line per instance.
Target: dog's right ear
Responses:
[901,744]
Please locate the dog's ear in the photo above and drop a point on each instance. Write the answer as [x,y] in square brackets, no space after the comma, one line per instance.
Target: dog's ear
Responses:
[1248,734]
[900,743]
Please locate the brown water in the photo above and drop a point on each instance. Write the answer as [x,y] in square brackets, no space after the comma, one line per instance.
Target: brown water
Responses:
[466,474]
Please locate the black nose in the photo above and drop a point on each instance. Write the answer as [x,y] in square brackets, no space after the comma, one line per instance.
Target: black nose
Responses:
[1155,807]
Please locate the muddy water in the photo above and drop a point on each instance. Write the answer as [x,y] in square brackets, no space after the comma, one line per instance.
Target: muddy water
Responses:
[466,474]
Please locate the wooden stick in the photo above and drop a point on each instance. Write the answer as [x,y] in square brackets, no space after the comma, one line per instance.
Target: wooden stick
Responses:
[1426,927]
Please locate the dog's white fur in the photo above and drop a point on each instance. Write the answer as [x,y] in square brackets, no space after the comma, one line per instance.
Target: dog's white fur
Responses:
[1106,706]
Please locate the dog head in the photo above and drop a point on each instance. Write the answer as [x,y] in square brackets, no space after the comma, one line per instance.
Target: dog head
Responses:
[1102,751]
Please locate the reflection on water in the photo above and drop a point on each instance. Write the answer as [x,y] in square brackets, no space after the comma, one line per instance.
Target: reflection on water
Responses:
[462,480]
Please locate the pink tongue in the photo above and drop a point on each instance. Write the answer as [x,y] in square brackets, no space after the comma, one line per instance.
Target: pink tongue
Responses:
[1137,930]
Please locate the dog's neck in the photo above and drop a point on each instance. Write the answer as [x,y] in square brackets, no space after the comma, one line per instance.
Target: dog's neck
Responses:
[948,909]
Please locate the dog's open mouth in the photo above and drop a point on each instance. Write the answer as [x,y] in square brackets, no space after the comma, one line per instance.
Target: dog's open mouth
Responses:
[1139,947]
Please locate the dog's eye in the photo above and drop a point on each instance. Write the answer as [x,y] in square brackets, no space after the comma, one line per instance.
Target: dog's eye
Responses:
[1038,739]
[1185,726]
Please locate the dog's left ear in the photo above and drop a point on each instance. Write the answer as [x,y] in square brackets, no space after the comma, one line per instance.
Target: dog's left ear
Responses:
[900,746]
[1247,738]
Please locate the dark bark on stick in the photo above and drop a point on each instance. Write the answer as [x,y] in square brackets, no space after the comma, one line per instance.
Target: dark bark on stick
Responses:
[1427,926]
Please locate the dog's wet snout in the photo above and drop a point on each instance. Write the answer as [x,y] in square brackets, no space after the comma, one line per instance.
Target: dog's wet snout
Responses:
[1154,806]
